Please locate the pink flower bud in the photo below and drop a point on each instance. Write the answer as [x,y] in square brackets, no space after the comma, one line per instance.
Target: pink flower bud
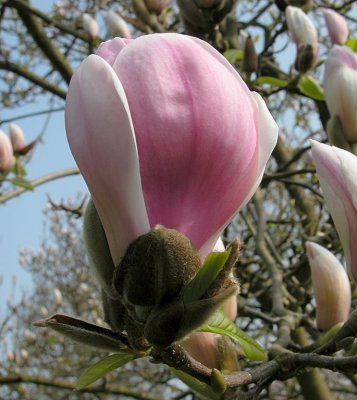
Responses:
[171,147]
[337,172]
[90,26]
[116,26]
[17,137]
[336,26]
[331,287]
[340,85]
[6,152]
[302,30]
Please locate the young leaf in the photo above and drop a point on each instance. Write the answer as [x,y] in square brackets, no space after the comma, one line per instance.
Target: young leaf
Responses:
[200,387]
[270,80]
[212,266]
[22,183]
[233,55]
[352,44]
[219,323]
[102,367]
[309,87]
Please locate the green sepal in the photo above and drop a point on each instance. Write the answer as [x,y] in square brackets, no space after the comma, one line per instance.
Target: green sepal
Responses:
[206,275]
[102,367]
[311,88]
[220,324]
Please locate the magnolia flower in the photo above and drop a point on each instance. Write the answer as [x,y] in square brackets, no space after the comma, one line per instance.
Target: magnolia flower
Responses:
[163,147]
[331,287]
[340,85]
[17,137]
[337,172]
[6,152]
[116,26]
[90,26]
[181,146]
[336,26]
[304,34]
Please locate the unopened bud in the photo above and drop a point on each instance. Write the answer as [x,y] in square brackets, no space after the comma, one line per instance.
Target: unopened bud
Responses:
[6,152]
[24,355]
[250,58]
[156,6]
[331,287]
[116,26]
[10,356]
[43,311]
[58,297]
[335,133]
[17,137]
[90,26]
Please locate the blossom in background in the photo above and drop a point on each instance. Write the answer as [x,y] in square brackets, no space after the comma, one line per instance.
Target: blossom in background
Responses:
[6,152]
[336,26]
[304,35]
[90,26]
[156,6]
[331,287]
[116,26]
[337,172]
[180,145]
[340,85]
[17,137]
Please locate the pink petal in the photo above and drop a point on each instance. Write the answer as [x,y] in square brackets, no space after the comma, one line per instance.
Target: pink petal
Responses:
[101,137]
[336,26]
[196,130]
[110,49]
[337,171]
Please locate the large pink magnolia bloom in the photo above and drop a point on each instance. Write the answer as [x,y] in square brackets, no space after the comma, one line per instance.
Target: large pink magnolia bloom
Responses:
[340,85]
[336,26]
[337,172]
[166,132]
[331,287]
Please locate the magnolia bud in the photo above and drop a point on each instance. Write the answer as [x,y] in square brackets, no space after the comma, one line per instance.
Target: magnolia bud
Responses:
[58,297]
[331,287]
[90,26]
[336,26]
[116,26]
[6,152]
[17,137]
[250,58]
[156,6]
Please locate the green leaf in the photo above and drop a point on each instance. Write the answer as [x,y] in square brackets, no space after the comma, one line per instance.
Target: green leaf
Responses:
[102,367]
[22,183]
[352,44]
[233,55]
[311,88]
[220,324]
[212,266]
[200,387]
[270,80]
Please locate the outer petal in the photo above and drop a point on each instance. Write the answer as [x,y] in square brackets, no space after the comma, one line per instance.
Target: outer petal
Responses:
[6,152]
[336,26]
[301,29]
[96,108]
[340,84]
[189,118]
[331,286]
[337,171]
